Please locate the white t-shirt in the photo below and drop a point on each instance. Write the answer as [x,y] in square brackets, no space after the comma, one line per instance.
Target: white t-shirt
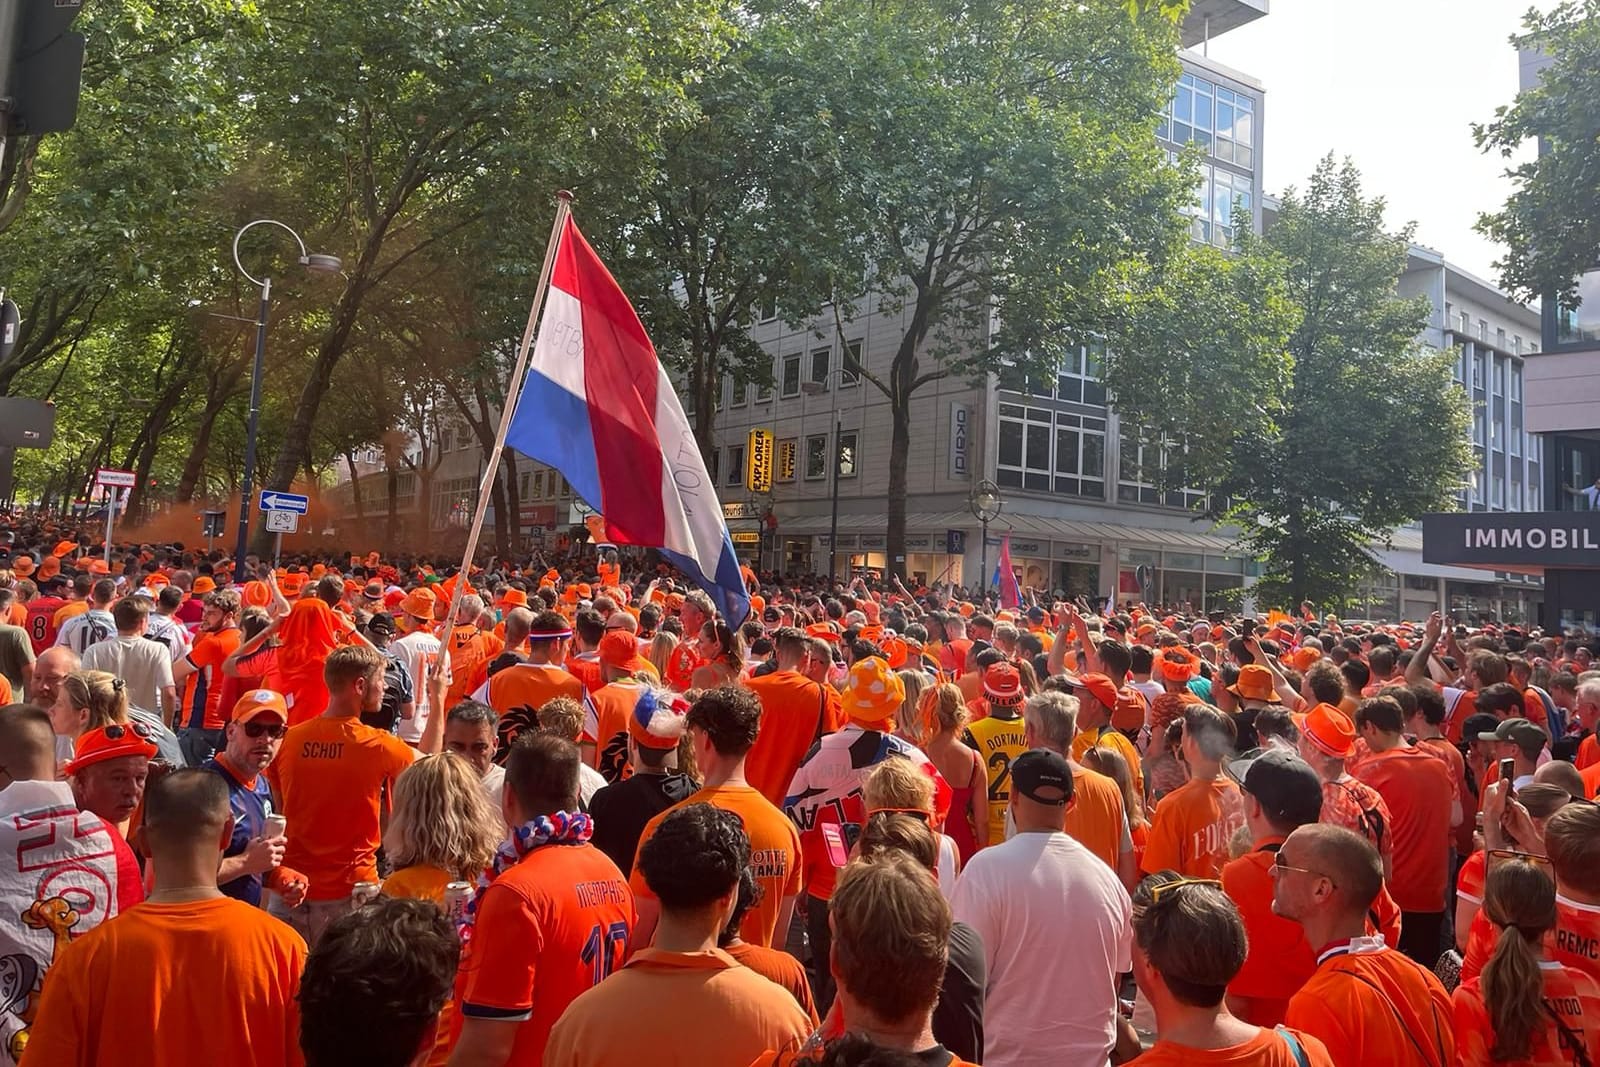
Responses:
[1044,905]
[145,665]
[417,651]
[167,631]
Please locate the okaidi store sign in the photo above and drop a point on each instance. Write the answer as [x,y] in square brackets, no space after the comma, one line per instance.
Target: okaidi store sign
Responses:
[1510,539]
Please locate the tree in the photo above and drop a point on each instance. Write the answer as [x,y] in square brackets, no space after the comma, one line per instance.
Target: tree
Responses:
[1373,429]
[999,165]
[1550,224]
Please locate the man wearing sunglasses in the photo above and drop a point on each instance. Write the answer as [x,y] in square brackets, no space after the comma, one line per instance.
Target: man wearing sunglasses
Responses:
[253,735]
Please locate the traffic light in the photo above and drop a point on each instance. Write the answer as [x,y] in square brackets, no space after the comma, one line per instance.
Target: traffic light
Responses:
[41,66]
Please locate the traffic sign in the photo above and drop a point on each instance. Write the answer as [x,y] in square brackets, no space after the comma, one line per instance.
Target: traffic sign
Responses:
[115,478]
[282,521]
[272,500]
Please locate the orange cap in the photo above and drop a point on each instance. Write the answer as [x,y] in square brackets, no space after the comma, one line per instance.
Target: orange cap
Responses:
[257,594]
[259,702]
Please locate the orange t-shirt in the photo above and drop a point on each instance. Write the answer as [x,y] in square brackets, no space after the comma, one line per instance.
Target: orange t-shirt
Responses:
[1568,995]
[422,882]
[606,726]
[470,650]
[1588,753]
[776,965]
[1096,817]
[1279,959]
[69,610]
[717,1012]
[795,711]
[1108,737]
[774,855]
[1460,789]
[329,775]
[530,686]
[1405,1019]
[218,975]
[1169,706]
[1192,824]
[1591,781]
[586,671]
[547,930]
[1267,1049]
[202,691]
[1416,786]
[5,691]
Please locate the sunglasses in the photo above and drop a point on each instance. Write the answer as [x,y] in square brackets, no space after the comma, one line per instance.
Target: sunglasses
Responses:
[1278,867]
[117,731]
[1517,854]
[1158,892]
[273,730]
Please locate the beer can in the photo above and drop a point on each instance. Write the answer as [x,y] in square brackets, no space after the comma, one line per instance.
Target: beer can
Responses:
[363,893]
[275,826]
[456,896]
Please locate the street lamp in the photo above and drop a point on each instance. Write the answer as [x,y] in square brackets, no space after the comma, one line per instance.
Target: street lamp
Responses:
[986,504]
[812,388]
[322,264]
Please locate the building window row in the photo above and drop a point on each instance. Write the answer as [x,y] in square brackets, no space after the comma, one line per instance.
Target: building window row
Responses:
[1139,462]
[1217,118]
[1051,451]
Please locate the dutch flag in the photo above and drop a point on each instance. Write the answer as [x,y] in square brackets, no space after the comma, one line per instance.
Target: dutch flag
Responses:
[597,406]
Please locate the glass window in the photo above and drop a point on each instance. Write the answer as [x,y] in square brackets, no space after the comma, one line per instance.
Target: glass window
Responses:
[816,456]
[769,308]
[1516,380]
[1477,370]
[763,392]
[735,464]
[819,365]
[847,454]
[791,375]
[1010,442]
[741,394]
[847,376]
[715,465]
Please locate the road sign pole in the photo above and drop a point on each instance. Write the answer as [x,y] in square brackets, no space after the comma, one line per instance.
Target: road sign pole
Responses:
[247,490]
[277,549]
[111,516]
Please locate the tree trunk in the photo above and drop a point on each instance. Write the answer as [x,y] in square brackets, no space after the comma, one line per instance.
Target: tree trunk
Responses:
[355,488]
[513,494]
[391,490]
[502,534]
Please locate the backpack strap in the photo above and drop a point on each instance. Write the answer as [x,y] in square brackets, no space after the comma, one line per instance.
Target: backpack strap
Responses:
[1296,1049]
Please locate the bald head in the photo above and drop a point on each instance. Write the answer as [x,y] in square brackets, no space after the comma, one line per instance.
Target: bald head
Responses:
[519,623]
[27,744]
[1347,859]
[49,671]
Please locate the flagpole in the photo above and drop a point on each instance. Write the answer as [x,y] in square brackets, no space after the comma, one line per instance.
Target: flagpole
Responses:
[513,388]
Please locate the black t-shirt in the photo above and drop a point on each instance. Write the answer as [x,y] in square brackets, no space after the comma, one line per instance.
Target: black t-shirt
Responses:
[958,1016]
[396,692]
[620,811]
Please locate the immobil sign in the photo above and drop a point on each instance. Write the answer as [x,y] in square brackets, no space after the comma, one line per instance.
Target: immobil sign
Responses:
[1511,540]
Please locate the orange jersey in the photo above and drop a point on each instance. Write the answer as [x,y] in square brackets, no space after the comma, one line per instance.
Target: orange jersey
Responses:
[1107,737]
[219,976]
[606,726]
[776,965]
[329,775]
[470,650]
[1569,996]
[1192,824]
[774,855]
[1372,1005]
[422,882]
[1416,786]
[1279,959]
[1460,788]
[202,691]
[1575,941]
[529,687]
[586,671]
[795,711]
[547,930]
[1096,817]
[1588,753]
[1267,1049]
[1591,781]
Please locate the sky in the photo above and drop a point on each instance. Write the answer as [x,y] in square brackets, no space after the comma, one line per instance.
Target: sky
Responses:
[1395,85]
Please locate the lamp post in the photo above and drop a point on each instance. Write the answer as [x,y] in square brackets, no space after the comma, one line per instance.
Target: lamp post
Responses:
[320,263]
[831,384]
[986,504]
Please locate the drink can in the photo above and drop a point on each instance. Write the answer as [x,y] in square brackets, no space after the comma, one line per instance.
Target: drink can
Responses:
[456,896]
[363,893]
[275,826]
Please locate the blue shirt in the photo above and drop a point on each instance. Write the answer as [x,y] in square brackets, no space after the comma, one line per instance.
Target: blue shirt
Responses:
[250,807]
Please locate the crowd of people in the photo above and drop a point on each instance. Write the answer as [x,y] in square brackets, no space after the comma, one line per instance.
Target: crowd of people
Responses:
[355,810]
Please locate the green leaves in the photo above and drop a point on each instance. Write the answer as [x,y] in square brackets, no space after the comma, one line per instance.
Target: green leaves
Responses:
[1550,223]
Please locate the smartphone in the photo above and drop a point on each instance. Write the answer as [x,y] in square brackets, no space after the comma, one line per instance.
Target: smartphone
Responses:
[833,844]
[1508,770]
[852,834]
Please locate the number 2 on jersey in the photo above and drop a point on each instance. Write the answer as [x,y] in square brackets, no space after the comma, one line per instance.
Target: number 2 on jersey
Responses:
[999,791]
[604,950]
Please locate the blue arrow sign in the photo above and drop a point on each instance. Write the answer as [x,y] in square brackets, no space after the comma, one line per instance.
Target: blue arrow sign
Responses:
[272,500]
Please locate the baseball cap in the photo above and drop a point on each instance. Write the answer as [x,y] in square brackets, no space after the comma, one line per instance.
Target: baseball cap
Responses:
[1518,731]
[1042,776]
[619,648]
[1131,710]
[381,623]
[1329,729]
[1098,686]
[259,702]
[112,741]
[1285,784]
[1478,724]
[1002,685]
